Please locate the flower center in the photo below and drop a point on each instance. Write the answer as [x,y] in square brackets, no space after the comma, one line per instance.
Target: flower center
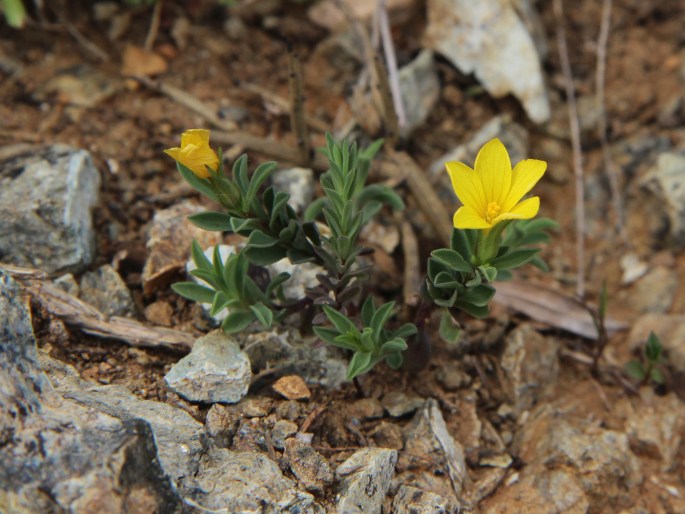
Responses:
[492,211]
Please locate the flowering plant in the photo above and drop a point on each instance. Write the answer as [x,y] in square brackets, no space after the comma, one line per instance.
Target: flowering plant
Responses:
[494,233]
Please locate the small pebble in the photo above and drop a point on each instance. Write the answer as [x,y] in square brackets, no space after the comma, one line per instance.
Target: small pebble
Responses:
[292,387]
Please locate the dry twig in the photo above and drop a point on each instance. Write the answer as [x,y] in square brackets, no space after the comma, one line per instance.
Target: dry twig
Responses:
[391,61]
[297,118]
[611,171]
[79,315]
[412,267]
[90,47]
[154,25]
[577,150]
[422,191]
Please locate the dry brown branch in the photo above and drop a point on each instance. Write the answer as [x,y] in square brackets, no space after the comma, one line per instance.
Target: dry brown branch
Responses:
[283,104]
[79,315]
[422,191]
[391,61]
[188,101]
[389,114]
[577,150]
[297,121]
[412,266]
[609,166]
[90,47]
[279,151]
[552,308]
[154,25]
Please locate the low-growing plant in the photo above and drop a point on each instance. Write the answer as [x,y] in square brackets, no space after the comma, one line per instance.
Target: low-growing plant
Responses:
[493,233]
[647,369]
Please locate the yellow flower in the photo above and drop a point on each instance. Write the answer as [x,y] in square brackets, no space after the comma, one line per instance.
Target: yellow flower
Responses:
[195,152]
[492,192]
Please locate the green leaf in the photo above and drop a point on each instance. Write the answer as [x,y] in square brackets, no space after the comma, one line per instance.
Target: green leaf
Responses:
[245,226]
[368,339]
[359,364]
[657,376]
[194,292]
[464,242]
[276,282]
[260,175]
[14,12]
[370,151]
[380,317]
[207,276]
[380,193]
[603,301]
[328,335]
[539,264]
[263,314]
[219,303]
[259,239]
[340,321]
[489,273]
[514,258]
[368,308]
[394,360]
[653,348]
[264,256]
[314,209]
[405,331]
[199,184]
[240,173]
[211,220]
[635,369]
[237,320]
[445,280]
[199,257]
[451,259]
[479,295]
[449,330]
[394,345]
[476,311]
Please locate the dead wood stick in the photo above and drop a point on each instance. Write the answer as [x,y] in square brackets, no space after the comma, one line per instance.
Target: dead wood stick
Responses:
[154,25]
[412,266]
[79,315]
[602,120]
[284,105]
[391,61]
[297,122]
[389,113]
[279,151]
[188,101]
[423,192]
[577,150]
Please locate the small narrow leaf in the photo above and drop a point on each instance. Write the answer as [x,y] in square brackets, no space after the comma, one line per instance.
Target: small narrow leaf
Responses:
[194,292]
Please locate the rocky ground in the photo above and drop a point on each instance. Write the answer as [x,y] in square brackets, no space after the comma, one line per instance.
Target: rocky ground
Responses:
[118,396]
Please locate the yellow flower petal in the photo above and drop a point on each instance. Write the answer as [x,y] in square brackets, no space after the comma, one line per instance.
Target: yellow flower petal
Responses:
[197,137]
[466,185]
[467,217]
[525,175]
[173,153]
[523,211]
[494,168]
[197,158]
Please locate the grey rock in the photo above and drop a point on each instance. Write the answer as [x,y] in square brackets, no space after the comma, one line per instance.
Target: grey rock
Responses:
[667,181]
[169,237]
[490,40]
[310,468]
[452,378]
[600,460]
[655,425]
[670,328]
[655,291]
[513,136]
[245,482]
[216,370]
[105,290]
[46,198]
[633,268]
[179,438]
[365,409]
[400,404]
[68,284]
[427,436]
[282,430]
[412,500]
[291,354]
[531,364]
[298,183]
[387,435]
[420,90]
[57,455]
[364,479]
[550,491]
[221,424]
